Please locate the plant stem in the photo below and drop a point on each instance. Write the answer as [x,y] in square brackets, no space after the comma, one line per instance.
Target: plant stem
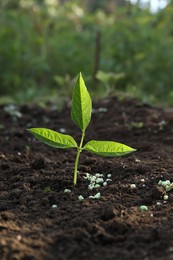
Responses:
[79,150]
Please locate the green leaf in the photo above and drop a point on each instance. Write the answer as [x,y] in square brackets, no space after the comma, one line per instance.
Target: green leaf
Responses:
[81,104]
[53,138]
[107,148]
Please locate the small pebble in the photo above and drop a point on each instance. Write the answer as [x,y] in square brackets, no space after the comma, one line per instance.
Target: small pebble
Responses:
[165,197]
[54,206]
[99,175]
[102,109]
[170,249]
[108,180]
[137,160]
[91,186]
[158,203]
[19,237]
[133,186]
[67,190]
[99,180]
[63,130]
[109,175]
[97,196]
[97,185]
[93,179]
[80,197]
[105,184]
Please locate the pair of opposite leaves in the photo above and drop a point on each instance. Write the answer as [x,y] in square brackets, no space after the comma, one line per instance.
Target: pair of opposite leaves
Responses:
[81,115]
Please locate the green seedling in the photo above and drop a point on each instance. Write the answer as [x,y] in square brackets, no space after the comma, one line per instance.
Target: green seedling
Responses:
[81,115]
[136,124]
[143,208]
[47,189]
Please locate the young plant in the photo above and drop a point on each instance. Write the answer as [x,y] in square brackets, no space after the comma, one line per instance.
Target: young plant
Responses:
[81,115]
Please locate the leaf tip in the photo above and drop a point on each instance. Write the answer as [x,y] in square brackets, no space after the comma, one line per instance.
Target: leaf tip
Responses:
[29,129]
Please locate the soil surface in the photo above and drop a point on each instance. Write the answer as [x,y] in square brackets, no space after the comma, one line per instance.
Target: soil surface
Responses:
[39,221]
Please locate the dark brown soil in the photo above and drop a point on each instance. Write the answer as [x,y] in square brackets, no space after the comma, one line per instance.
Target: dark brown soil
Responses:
[33,177]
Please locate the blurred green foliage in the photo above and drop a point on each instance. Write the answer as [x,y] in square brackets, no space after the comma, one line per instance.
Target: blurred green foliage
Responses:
[44,44]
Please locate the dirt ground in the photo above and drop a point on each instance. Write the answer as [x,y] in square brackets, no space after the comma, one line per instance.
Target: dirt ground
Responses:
[39,221]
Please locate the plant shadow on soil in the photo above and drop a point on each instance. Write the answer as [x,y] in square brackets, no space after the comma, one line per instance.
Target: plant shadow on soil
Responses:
[112,227]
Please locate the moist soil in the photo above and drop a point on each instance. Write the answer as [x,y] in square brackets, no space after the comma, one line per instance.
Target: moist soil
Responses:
[38,220]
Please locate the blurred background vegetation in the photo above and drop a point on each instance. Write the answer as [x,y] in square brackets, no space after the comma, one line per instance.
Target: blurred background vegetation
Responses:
[120,47]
